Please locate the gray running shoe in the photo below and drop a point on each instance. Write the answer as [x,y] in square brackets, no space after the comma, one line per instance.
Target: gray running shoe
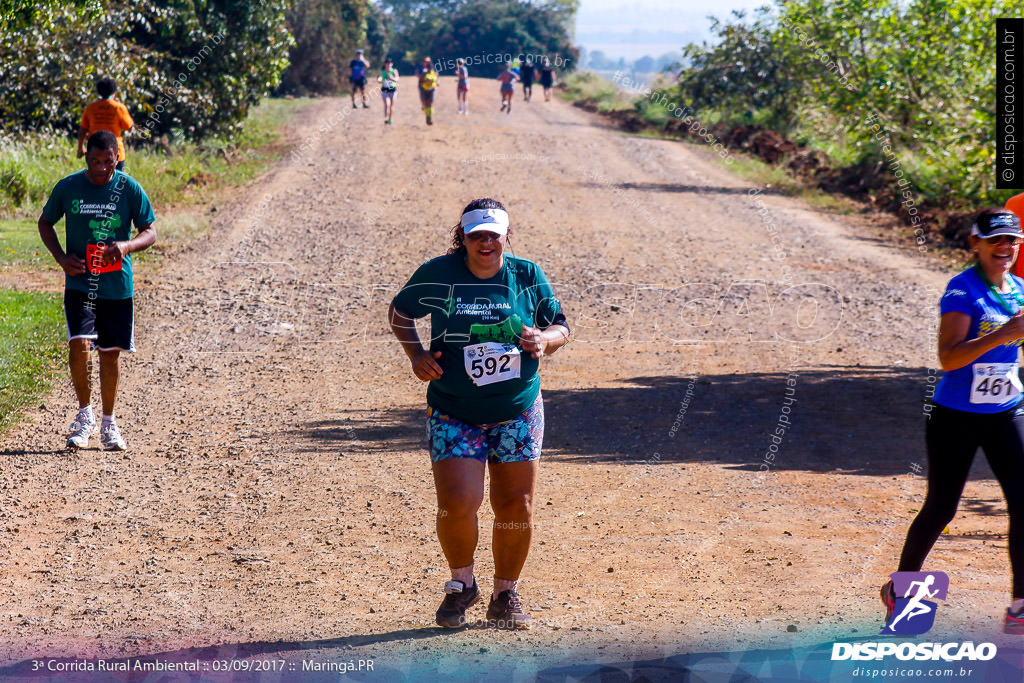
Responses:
[110,438]
[81,429]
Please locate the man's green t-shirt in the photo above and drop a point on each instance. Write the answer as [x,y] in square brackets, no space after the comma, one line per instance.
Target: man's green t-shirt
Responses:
[96,216]
[476,324]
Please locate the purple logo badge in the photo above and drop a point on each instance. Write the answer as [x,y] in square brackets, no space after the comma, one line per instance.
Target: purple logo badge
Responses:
[914,612]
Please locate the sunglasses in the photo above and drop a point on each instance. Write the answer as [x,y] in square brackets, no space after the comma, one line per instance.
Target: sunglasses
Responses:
[1000,240]
[480,235]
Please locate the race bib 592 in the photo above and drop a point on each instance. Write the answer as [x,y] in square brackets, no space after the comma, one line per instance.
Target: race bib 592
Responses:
[491,362]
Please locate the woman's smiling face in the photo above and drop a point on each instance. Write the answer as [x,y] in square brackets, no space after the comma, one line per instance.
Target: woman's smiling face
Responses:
[484,249]
[997,253]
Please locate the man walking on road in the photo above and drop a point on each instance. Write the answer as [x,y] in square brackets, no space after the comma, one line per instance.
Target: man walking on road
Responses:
[357,77]
[99,206]
[108,114]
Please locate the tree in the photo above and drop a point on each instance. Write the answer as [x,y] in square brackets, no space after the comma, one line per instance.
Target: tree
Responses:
[747,71]
[598,60]
[487,33]
[183,67]
[326,33]
[644,65]
[379,33]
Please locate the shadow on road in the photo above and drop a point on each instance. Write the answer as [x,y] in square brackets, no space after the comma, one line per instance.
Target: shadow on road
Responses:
[854,420]
[676,187]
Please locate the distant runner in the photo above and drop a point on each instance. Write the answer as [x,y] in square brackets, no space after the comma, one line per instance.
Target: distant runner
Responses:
[547,78]
[526,73]
[508,79]
[357,77]
[107,114]
[427,78]
[99,205]
[388,80]
[977,400]
[493,318]
[462,90]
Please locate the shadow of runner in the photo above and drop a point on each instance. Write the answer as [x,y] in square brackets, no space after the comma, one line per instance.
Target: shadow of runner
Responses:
[678,187]
[854,420]
[13,452]
[861,420]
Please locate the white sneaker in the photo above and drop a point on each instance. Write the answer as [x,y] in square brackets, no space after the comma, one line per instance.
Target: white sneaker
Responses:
[81,429]
[110,438]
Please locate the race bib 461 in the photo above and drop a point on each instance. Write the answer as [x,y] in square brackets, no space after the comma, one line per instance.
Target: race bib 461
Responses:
[995,382]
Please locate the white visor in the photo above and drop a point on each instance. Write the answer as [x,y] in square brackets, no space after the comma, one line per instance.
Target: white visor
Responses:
[491,220]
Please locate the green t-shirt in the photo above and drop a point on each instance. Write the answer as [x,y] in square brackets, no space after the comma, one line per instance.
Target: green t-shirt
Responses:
[99,215]
[466,311]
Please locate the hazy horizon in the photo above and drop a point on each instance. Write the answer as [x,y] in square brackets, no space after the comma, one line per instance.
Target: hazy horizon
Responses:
[620,28]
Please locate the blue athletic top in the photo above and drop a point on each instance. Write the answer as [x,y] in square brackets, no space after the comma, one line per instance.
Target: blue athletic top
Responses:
[967,293]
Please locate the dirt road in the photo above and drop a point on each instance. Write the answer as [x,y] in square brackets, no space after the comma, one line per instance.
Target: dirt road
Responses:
[276,497]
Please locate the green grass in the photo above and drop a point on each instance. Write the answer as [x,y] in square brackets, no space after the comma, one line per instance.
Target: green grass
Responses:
[186,174]
[584,85]
[32,351]
[20,244]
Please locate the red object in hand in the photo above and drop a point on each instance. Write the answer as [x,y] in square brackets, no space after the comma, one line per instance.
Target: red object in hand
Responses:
[94,260]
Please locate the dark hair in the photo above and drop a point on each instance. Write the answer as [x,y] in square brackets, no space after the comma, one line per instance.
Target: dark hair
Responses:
[102,139]
[106,87]
[458,241]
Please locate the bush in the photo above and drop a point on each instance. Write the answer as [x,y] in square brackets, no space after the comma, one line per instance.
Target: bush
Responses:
[183,68]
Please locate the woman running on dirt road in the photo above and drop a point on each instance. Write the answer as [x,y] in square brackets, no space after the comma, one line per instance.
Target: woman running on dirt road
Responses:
[977,401]
[493,318]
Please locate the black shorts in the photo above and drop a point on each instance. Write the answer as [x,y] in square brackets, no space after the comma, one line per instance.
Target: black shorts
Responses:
[109,323]
[358,83]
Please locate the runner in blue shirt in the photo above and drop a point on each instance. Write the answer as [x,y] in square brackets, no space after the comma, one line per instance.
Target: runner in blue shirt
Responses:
[357,77]
[977,400]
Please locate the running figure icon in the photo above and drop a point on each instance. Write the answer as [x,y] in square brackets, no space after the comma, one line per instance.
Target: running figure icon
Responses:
[916,607]
[912,612]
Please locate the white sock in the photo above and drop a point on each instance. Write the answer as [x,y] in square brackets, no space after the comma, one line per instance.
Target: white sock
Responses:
[107,420]
[1017,604]
[88,411]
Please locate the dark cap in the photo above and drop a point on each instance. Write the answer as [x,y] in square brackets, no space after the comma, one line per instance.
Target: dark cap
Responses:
[993,224]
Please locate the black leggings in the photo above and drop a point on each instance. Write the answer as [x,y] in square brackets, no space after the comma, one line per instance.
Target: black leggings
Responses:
[953,437]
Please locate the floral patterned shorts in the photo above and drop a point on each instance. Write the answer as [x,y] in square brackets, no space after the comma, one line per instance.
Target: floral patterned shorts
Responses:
[516,440]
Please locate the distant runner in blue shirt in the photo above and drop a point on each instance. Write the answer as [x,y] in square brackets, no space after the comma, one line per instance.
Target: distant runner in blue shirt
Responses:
[357,77]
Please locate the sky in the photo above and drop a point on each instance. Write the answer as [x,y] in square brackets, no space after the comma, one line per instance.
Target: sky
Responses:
[632,29]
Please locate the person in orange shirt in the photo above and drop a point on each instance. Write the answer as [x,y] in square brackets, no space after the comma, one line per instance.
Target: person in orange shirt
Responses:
[105,113]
